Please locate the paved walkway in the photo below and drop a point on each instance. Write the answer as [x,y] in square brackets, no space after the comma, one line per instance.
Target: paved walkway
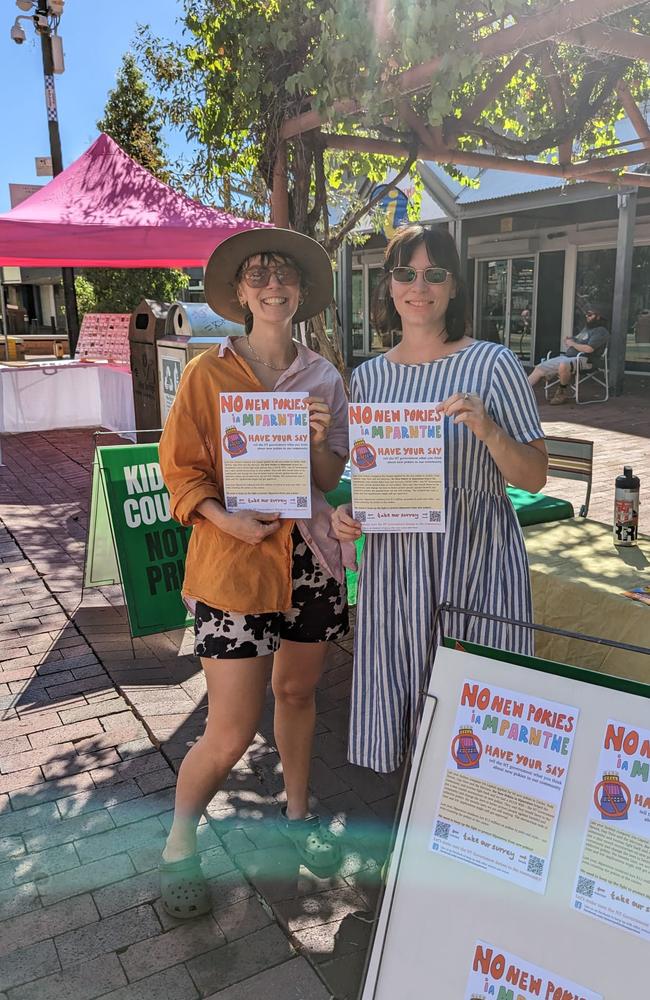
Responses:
[92,725]
[620,430]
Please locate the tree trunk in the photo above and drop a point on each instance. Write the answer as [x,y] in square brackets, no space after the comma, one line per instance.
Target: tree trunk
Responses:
[329,349]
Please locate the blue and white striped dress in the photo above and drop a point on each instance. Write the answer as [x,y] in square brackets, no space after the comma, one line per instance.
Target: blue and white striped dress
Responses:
[478,563]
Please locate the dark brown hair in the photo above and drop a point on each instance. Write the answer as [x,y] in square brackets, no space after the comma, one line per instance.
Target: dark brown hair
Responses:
[267,257]
[442,252]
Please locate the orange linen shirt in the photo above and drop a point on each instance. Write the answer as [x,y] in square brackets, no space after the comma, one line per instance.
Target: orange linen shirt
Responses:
[220,570]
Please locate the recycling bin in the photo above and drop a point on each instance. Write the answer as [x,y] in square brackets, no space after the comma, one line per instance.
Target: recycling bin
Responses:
[190,329]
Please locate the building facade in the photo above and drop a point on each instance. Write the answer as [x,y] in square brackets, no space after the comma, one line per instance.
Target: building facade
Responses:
[534,253]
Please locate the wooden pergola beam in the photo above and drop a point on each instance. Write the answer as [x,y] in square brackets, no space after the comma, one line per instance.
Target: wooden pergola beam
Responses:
[556,93]
[444,154]
[493,89]
[589,171]
[633,112]
[526,33]
[280,189]
[627,177]
[598,164]
[312,119]
[610,41]
[364,144]
[430,138]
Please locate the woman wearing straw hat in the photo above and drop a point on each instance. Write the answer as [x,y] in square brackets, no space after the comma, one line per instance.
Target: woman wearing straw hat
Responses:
[268,593]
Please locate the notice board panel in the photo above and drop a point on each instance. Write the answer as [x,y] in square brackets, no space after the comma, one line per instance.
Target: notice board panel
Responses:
[131,530]
[436,908]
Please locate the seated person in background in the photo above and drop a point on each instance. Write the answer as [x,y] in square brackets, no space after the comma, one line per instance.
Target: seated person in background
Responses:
[584,350]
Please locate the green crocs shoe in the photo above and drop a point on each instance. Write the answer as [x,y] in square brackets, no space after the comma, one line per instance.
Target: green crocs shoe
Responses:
[317,848]
[184,891]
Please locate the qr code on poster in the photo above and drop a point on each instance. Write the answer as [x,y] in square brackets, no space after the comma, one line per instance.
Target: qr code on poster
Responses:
[360,516]
[435,516]
[585,886]
[442,830]
[231,502]
[301,502]
[535,865]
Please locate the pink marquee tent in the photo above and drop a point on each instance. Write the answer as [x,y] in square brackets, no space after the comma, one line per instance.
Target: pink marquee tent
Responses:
[105,210]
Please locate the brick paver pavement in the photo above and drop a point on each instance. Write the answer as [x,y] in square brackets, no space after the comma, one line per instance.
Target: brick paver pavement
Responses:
[92,725]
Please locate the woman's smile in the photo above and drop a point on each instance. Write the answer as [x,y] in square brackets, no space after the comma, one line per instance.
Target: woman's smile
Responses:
[275,300]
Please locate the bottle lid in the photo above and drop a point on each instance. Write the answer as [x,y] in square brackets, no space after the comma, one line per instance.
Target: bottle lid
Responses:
[627,470]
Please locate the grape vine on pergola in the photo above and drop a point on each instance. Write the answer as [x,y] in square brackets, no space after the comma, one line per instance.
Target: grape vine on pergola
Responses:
[541,37]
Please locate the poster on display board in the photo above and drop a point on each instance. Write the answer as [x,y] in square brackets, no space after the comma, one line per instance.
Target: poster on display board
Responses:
[265,452]
[506,769]
[496,972]
[397,461]
[131,531]
[613,878]
[436,911]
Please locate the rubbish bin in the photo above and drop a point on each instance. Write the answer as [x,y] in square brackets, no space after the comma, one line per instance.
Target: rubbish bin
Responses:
[146,327]
[190,328]
[642,327]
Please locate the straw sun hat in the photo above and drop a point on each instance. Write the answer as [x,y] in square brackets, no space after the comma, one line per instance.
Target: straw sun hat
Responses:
[309,255]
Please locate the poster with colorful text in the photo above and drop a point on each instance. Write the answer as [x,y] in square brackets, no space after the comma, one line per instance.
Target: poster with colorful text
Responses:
[265,452]
[613,881]
[498,975]
[397,454]
[507,764]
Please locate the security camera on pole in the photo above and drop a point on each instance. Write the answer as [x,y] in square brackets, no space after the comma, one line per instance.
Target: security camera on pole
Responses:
[45,16]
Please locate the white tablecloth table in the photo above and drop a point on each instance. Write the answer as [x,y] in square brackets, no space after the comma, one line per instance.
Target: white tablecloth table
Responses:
[65,394]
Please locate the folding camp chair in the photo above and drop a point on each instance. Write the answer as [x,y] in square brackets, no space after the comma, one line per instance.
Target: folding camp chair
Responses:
[598,373]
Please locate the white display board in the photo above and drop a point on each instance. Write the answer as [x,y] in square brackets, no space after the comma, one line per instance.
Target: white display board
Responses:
[439,912]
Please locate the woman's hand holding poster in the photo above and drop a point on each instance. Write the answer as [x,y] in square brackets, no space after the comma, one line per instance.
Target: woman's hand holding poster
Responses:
[397,461]
[613,881]
[265,452]
[506,770]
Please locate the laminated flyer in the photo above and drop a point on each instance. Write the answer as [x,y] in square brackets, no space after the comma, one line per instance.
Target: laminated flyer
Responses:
[265,452]
[498,975]
[613,880]
[508,758]
[397,457]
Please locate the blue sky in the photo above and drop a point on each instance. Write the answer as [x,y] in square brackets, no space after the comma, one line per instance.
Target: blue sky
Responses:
[95,37]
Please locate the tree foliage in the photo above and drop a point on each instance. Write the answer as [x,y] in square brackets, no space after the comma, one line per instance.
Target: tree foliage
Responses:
[243,66]
[119,290]
[131,119]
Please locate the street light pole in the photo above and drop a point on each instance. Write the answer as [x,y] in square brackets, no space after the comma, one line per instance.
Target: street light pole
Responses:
[67,273]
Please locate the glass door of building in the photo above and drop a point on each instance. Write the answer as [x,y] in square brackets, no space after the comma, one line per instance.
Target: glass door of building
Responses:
[365,339]
[520,311]
[493,300]
[359,348]
[506,303]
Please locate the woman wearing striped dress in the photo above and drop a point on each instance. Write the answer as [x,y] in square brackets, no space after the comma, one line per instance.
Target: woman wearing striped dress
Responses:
[492,437]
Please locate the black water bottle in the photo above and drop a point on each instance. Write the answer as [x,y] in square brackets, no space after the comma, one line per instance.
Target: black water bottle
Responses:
[626,508]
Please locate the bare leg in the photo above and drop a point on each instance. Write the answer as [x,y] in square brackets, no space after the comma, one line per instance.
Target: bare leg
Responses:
[296,671]
[236,692]
[537,375]
[564,373]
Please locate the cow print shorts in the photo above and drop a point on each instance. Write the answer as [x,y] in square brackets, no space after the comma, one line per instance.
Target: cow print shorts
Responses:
[319,612]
